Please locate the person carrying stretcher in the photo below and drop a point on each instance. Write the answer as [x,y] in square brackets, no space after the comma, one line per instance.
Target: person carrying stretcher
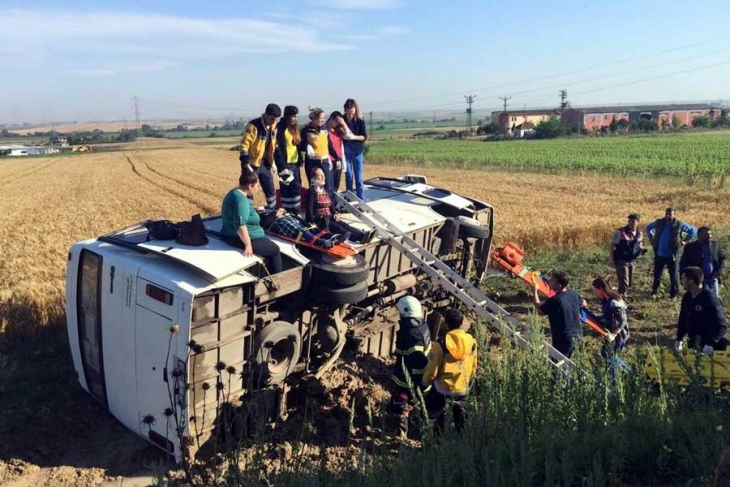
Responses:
[294,227]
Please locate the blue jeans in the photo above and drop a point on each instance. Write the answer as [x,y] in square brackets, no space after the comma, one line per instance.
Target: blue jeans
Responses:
[713,285]
[354,176]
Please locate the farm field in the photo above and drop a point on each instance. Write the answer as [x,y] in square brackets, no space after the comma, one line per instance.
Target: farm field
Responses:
[676,155]
[52,202]
[49,203]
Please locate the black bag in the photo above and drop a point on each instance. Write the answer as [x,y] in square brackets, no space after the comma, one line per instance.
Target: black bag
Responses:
[192,232]
[162,230]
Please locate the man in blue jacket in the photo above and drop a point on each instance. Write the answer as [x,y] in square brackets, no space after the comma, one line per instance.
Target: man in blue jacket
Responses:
[667,235]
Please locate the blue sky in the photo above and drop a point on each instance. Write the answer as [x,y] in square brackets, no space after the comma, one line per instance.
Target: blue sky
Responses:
[85,60]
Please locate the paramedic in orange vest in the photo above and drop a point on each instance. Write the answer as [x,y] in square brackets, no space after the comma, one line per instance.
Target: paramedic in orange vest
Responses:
[451,367]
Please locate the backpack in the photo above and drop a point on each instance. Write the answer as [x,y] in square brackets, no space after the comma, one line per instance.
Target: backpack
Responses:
[162,230]
[192,232]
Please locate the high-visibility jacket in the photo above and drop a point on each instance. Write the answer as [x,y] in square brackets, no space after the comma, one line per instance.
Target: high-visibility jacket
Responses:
[452,363]
[258,143]
[317,137]
[412,346]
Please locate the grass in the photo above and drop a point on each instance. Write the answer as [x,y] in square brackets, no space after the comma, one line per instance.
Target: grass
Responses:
[668,155]
[200,134]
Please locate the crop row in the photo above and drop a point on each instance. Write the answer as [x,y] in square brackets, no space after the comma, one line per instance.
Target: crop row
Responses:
[666,155]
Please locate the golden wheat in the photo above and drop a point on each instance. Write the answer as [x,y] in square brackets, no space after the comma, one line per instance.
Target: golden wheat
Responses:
[50,203]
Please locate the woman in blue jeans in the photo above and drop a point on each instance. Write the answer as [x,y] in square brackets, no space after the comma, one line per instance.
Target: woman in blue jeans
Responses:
[355,148]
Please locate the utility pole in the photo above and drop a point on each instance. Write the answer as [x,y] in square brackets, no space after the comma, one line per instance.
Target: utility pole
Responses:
[371,125]
[136,117]
[469,102]
[564,100]
[506,122]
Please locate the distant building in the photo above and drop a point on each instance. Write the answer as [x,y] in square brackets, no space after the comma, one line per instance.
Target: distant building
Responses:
[597,118]
[23,150]
[523,129]
[508,121]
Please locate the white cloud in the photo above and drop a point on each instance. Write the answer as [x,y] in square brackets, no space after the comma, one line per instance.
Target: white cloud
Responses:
[121,67]
[378,33]
[52,34]
[362,4]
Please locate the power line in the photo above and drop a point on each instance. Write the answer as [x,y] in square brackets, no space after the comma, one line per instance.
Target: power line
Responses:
[556,75]
[505,99]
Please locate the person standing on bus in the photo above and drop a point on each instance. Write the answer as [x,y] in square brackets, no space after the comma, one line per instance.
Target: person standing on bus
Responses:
[355,148]
[289,160]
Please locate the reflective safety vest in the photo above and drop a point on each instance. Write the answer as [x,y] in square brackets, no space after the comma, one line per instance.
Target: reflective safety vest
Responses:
[412,346]
[452,363]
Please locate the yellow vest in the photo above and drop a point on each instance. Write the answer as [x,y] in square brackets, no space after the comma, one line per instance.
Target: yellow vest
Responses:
[292,151]
[452,370]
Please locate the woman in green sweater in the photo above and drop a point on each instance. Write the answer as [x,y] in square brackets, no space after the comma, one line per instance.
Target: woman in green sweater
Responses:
[241,223]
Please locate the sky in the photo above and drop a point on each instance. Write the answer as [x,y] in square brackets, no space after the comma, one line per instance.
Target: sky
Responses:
[189,59]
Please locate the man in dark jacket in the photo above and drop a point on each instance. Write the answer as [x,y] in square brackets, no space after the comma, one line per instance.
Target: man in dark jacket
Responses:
[563,311]
[412,346]
[701,316]
[707,254]
[667,235]
[626,246]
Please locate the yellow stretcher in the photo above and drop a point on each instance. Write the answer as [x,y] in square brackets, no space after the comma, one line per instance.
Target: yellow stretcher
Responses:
[687,366]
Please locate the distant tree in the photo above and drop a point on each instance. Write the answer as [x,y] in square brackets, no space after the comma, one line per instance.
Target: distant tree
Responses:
[676,123]
[551,128]
[622,125]
[645,125]
[701,122]
[666,125]
[488,128]
[613,126]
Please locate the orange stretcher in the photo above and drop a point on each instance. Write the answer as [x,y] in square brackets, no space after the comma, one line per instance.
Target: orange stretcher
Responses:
[510,258]
[338,250]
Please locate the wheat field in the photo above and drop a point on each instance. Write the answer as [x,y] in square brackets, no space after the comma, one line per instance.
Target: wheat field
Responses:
[50,203]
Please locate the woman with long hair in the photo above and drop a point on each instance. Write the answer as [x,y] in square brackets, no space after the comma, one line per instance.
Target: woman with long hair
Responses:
[614,315]
[241,226]
[355,148]
[315,144]
[289,160]
[338,131]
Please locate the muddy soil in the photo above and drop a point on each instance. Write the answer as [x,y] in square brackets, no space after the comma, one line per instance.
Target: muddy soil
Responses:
[54,433]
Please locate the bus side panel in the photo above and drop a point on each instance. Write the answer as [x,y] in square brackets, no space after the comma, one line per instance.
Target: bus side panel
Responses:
[72,323]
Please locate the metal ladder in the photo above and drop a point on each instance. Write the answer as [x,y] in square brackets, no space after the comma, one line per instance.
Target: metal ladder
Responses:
[446,277]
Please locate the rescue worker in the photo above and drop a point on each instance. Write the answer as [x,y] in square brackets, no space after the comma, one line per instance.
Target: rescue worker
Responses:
[626,246]
[412,346]
[701,316]
[563,311]
[315,143]
[451,367]
[289,160]
[667,235]
[257,148]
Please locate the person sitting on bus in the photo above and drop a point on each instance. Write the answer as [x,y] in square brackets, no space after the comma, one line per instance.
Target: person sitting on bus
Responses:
[241,223]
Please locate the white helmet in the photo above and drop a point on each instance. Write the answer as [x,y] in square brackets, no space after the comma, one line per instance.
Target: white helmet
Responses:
[409,307]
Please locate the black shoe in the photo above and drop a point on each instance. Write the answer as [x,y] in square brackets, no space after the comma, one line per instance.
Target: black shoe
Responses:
[341,238]
[368,237]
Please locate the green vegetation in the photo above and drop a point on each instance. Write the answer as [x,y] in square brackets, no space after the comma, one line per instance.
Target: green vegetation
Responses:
[200,134]
[674,155]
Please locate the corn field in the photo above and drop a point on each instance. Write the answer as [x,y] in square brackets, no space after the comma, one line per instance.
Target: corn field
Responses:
[675,155]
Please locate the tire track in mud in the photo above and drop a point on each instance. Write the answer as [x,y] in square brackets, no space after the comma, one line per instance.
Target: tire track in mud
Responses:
[201,205]
[34,169]
[180,182]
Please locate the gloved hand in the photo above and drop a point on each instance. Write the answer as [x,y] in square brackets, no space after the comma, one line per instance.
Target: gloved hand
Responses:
[247,168]
[678,346]
[349,135]
[286,176]
[338,165]
[310,151]
[707,349]
[611,337]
